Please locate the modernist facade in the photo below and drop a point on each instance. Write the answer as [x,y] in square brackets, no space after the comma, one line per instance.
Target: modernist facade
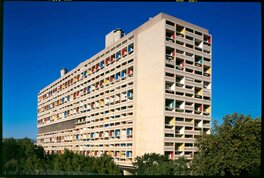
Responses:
[147,91]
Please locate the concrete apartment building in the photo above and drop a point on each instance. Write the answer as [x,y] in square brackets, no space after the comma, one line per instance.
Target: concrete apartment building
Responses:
[147,91]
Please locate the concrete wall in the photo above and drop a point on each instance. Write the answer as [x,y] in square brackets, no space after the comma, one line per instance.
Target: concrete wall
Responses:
[150,52]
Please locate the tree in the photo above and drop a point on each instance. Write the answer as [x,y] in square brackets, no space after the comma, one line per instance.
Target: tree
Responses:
[181,167]
[22,157]
[233,148]
[11,166]
[152,164]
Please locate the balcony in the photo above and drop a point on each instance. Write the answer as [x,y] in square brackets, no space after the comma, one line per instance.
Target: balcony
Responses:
[170,53]
[124,52]
[198,92]
[179,106]
[207,110]
[179,81]
[180,30]
[179,63]
[198,60]
[169,122]
[207,85]
[207,40]
[112,59]
[198,123]
[170,36]
[123,74]
[130,94]
[169,87]
[118,55]
[123,96]
[198,108]
[206,124]
[130,48]
[130,71]
[179,146]
[169,104]
[207,71]
[198,44]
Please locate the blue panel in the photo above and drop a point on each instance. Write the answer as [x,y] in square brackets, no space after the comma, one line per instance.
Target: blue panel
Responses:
[117,55]
[117,76]
[129,93]
[123,74]
[130,49]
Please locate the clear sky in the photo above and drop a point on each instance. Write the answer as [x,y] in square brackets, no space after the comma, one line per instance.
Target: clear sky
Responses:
[42,37]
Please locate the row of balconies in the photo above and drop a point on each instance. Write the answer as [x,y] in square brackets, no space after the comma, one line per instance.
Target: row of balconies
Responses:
[115,113]
[188,42]
[118,133]
[95,153]
[85,72]
[171,121]
[83,99]
[187,54]
[174,30]
[193,70]
[105,82]
[105,77]
[178,105]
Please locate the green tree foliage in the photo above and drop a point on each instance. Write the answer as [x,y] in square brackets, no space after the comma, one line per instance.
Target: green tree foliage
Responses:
[22,157]
[156,164]
[233,148]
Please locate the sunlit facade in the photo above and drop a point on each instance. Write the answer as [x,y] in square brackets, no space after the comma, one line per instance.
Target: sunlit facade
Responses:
[147,91]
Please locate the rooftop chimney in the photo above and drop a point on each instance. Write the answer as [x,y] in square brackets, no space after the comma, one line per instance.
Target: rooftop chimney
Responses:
[63,71]
[113,36]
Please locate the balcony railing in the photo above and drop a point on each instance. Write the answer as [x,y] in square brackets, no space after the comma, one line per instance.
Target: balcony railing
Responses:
[169,57]
[198,96]
[207,74]
[168,108]
[178,84]
[170,39]
[179,67]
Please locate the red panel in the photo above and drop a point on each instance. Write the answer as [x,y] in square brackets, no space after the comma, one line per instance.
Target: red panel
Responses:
[172,155]
[106,60]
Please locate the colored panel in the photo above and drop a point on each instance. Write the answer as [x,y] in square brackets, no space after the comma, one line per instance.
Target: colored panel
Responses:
[209,71]
[183,31]
[200,92]
[172,122]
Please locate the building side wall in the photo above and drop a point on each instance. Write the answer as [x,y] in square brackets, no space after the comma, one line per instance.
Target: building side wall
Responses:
[150,90]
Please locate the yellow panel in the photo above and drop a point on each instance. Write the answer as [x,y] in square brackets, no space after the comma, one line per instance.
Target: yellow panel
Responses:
[172,122]
[209,109]
[182,147]
[209,70]
[183,31]
[200,92]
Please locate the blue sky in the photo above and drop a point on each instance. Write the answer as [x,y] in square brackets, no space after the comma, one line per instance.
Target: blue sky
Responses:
[42,37]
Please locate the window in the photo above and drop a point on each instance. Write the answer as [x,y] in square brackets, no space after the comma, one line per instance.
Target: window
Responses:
[169,23]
